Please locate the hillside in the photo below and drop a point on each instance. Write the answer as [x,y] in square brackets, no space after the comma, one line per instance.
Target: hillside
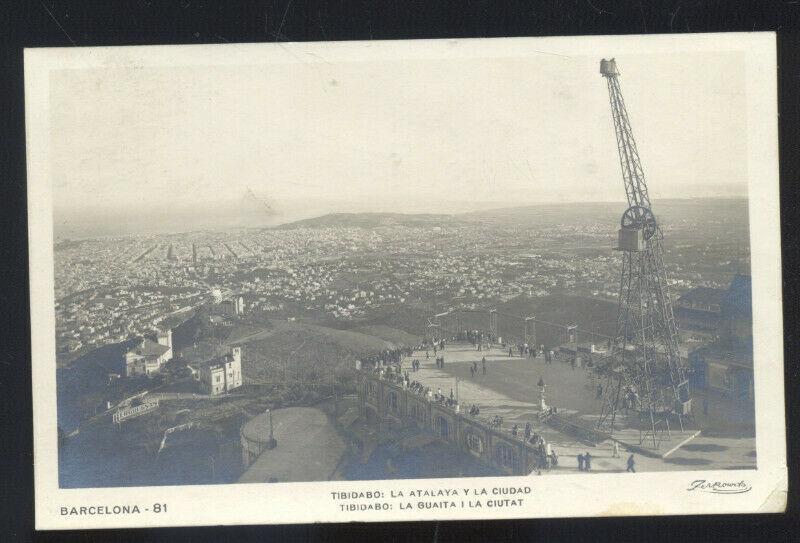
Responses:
[668,210]
[308,352]
[390,334]
[355,342]
[371,220]
[591,314]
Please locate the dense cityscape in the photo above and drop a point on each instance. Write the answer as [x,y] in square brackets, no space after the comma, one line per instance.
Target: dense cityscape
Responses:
[108,290]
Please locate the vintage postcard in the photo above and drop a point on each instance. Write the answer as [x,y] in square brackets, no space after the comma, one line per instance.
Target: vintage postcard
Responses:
[389,281]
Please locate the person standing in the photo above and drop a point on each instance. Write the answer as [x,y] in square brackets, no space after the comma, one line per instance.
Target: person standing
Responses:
[580,462]
[483,363]
[472,371]
[615,450]
[631,464]
[587,462]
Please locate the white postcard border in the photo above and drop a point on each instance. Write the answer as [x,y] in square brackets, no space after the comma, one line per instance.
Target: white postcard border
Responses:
[662,493]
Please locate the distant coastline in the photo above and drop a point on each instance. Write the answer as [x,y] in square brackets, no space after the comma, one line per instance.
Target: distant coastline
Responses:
[80,226]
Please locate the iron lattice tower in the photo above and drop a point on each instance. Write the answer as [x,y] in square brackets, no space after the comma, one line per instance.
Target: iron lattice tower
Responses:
[645,376]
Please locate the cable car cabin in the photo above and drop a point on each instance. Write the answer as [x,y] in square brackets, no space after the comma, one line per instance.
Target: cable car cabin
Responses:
[608,67]
[631,239]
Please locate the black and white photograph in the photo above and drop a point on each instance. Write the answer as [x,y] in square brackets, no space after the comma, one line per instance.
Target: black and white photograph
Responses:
[514,264]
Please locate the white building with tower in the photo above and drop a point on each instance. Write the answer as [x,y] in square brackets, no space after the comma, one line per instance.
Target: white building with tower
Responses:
[222,374]
[148,356]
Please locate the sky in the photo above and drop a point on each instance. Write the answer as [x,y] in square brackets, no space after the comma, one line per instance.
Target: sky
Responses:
[417,135]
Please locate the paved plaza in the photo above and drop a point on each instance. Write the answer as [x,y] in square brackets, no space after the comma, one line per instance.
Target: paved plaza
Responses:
[509,389]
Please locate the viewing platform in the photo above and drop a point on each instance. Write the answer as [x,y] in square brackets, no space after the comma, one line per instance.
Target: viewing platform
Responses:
[510,389]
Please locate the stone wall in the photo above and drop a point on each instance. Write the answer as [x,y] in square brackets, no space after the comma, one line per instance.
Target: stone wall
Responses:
[387,405]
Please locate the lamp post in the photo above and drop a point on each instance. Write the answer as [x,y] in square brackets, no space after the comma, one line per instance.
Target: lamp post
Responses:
[271,442]
[542,386]
[572,330]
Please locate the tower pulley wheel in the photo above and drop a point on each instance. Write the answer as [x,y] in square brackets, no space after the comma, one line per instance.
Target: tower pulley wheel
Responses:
[640,218]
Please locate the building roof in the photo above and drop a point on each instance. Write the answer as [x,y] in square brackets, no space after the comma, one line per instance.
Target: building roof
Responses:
[738,299]
[149,349]
[211,362]
[703,295]
[309,447]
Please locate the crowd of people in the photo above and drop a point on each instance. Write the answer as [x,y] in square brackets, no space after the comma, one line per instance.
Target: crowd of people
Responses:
[388,365]
[386,357]
[395,374]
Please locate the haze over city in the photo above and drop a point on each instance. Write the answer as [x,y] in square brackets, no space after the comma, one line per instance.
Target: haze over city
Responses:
[160,149]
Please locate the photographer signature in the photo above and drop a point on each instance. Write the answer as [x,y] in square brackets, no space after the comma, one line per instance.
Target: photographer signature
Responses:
[719,487]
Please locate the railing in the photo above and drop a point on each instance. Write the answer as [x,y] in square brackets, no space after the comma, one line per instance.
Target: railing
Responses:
[168,431]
